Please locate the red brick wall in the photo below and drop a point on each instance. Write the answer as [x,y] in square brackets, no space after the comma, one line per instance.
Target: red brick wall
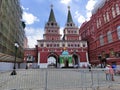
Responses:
[93,38]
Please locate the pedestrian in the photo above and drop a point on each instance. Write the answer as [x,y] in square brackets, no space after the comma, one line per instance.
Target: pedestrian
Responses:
[107,72]
[89,67]
[114,68]
[111,71]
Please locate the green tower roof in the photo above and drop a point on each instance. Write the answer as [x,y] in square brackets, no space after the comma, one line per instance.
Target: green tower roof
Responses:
[51,17]
[69,17]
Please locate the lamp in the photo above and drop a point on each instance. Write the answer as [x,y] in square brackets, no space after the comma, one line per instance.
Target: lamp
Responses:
[14,67]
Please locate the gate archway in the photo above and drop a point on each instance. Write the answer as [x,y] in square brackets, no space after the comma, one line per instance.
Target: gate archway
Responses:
[76,60]
[52,60]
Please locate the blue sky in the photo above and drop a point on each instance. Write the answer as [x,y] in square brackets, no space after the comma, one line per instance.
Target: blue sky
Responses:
[36,14]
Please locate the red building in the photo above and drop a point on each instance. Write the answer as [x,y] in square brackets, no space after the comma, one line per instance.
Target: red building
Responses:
[30,55]
[50,48]
[102,33]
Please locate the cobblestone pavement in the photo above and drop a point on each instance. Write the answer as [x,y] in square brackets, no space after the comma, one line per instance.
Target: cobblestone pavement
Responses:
[57,79]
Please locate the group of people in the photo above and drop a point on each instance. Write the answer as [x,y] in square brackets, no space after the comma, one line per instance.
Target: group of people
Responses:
[109,73]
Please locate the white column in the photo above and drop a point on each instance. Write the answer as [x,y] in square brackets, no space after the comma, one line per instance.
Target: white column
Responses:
[44,44]
[38,57]
[87,57]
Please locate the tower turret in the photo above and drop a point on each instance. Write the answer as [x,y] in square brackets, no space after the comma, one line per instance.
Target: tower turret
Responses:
[69,18]
[52,28]
[51,17]
[71,32]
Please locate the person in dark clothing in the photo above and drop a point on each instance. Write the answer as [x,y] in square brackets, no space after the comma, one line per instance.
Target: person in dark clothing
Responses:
[89,67]
[114,68]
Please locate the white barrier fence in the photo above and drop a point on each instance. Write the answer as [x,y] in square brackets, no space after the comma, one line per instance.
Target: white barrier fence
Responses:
[57,79]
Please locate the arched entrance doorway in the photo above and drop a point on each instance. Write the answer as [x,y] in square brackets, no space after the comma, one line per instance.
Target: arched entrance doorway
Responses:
[75,60]
[52,61]
[66,63]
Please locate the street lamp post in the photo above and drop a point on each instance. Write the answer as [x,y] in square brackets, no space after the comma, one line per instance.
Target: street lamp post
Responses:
[14,67]
[27,59]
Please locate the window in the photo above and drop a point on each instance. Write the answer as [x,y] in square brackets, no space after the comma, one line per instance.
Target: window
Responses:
[113,12]
[118,32]
[117,54]
[68,45]
[97,24]
[117,9]
[101,40]
[47,45]
[41,45]
[84,45]
[63,45]
[54,45]
[99,21]
[109,36]
[107,14]
[104,18]
[107,55]
[112,53]
[103,54]
[57,45]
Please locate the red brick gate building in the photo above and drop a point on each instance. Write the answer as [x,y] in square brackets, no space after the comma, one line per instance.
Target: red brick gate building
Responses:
[52,45]
[103,33]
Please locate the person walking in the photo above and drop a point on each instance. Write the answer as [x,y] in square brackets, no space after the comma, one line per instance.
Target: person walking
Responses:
[89,67]
[114,68]
[107,72]
[111,71]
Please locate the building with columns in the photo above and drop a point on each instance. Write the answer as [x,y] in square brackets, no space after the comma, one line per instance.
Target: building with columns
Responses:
[52,46]
[102,32]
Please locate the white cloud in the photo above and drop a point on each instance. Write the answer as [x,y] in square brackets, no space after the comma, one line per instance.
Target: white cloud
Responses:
[29,18]
[80,18]
[33,34]
[89,7]
[66,2]
[61,31]
[26,9]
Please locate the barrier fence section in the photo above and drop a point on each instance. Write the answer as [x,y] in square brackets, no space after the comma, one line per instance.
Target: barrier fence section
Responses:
[56,79]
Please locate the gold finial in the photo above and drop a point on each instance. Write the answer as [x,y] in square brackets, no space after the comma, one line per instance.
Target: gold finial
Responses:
[51,5]
[68,7]
[64,48]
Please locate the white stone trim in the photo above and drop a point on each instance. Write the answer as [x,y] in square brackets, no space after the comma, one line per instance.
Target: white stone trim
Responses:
[43,65]
[83,63]
[61,65]
[70,64]
[87,57]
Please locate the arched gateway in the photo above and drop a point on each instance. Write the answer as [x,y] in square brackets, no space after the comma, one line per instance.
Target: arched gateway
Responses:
[52,60]
[50,48]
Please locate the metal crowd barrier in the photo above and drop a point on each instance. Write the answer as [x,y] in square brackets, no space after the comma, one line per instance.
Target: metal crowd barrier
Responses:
[57,79]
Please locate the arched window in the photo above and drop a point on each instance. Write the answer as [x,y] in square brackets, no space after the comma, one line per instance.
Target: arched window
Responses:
[101,40]
[109,36]
[118,32]
[117,9]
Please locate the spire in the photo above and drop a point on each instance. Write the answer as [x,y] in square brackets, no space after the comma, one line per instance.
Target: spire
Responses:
[69,18]
[51,17]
